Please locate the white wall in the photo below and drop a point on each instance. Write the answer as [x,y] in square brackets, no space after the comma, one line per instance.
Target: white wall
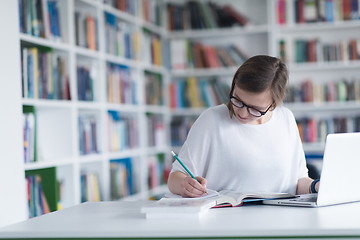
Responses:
[12,185]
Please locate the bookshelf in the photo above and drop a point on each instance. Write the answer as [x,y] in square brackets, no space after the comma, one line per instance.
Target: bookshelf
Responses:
[319,40]
[88,130]
[94,77]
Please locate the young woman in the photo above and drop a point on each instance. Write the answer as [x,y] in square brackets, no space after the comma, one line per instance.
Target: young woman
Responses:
[252,144]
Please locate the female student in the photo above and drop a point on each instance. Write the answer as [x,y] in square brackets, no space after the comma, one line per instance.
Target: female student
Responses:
[252,144]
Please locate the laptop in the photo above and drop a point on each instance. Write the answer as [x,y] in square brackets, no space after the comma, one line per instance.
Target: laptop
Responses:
[340,175]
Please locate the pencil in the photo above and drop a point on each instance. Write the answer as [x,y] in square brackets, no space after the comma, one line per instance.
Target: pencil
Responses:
[187,170]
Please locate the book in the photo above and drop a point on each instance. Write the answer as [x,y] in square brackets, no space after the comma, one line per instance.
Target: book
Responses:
[230,198]
[174,206]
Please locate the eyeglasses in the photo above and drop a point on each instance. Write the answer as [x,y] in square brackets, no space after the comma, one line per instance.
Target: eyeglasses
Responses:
[253,111]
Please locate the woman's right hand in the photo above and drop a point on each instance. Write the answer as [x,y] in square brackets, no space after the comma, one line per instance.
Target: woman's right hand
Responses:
[189,187]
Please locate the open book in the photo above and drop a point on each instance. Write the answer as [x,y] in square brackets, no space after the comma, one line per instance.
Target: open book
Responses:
[230,198]
[175,206]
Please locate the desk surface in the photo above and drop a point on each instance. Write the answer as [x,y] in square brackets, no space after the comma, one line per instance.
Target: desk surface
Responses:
[124,220]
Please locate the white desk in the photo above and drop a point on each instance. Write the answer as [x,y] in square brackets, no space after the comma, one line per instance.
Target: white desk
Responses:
[124,220]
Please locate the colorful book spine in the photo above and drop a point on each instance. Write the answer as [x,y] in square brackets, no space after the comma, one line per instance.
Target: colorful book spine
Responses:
[29,130]
[179,128]
[334,91]
[85,83]
[151,11]
[127,6]
[121,39]
[40,18]
[86,30]
[121,88]
[314,50]
[191,54]
[198,92]
[307,11]
[122,132]
[158,171]
[88,135]
[42,191]
[121,178]
[90,187]
[156,130]
[153,52]
[315,130]
[202,15]
[153,86]
[45,74]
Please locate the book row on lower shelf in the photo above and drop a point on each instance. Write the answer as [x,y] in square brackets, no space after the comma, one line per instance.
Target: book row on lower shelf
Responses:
[41,18]
[312,130]
[194,54]
[315,130]
[316,50]
[198,92]
[331,91]
[309,11]
[121,129]
[45,74]
[47,189]
[188,15]
[45,19]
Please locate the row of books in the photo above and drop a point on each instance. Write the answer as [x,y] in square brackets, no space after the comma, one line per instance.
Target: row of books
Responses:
[151,11]
[37,202]
[191,54]
[314,50]
[310,91]
[179,128]
[156,130]
[42,191]
[29,134]
[158,171]
[315,130]
[120,38]
[152,48]
[86,30]
[44,74]
[122,132]
[306,11]
[85,83]
[153,86]
[88,134]
[40,18]
[90,187]
[121,87]
[203,15]
[121,178]
[196,93]
[128,6]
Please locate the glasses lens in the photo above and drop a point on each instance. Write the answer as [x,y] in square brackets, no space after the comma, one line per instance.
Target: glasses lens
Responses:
[254,112]
[236,103]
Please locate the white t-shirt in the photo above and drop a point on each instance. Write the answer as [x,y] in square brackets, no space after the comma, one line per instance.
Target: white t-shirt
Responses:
[266,157]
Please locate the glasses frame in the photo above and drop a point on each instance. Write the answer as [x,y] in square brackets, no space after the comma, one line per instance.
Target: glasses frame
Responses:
[262,113]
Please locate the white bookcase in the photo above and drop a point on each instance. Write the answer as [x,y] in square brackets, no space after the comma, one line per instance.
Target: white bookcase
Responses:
[58,120]
[58,139]
[322,71]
